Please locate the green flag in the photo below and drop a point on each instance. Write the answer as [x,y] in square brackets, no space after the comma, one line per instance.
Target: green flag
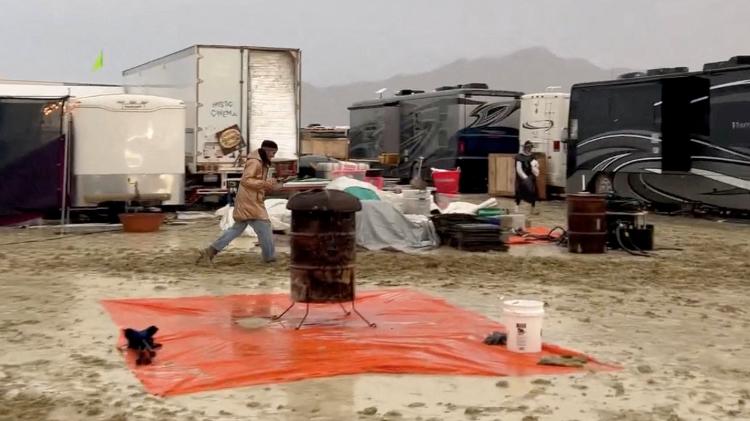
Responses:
[99,63]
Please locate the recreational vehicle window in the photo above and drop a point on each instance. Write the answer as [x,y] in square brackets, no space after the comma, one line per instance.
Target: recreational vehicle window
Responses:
[602,109]
[373,130]
[632,107]
[730,105]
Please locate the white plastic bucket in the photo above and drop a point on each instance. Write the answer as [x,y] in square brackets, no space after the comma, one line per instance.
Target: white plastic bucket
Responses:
[523,325]
[416,202]
[416,206]
[415,194]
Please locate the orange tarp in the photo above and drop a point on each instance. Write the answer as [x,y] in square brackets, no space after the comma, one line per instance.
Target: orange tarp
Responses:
[205,349]
[516,240]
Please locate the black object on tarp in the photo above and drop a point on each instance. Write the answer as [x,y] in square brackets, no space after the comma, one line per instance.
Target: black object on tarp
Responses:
[142,341]
[496,338]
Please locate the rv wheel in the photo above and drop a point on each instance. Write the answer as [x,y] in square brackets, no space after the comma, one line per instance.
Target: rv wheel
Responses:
[603,184]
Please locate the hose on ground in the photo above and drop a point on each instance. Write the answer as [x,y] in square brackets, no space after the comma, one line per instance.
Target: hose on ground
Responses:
[559,240]
[633,249]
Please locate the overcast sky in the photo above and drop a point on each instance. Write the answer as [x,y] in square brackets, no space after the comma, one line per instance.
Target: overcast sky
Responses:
[352,40]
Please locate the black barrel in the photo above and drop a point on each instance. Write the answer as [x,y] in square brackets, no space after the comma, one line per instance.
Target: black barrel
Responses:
[324,246]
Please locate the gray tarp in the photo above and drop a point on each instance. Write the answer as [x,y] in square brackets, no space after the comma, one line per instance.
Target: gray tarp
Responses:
[381,226]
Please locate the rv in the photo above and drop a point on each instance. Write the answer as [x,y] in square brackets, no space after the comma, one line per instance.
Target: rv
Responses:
[249,93]
[669,137]
[544,122]
[449,128]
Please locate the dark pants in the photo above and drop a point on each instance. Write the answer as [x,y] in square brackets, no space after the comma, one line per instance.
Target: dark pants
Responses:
[526,191]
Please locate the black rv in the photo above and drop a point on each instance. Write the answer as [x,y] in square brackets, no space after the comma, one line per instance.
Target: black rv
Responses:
[669,137]
[451,127]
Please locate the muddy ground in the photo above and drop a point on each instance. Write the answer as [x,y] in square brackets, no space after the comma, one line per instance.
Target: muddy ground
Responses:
[678,323]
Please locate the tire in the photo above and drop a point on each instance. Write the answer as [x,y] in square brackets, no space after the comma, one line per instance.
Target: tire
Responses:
[603,184]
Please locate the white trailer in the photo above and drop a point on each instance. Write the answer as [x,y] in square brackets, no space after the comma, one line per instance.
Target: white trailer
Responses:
[127,148]
[44,89]
[544,122]
[255,88]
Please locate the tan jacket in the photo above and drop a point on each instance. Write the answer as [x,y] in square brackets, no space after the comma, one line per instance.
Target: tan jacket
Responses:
[252,191]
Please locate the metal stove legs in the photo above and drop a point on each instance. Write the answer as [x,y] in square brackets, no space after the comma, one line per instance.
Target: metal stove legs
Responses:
[347,312]
[361,316]
[307,311]
[274,318]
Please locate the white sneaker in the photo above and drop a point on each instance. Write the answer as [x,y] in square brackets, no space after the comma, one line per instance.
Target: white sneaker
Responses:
[516,209]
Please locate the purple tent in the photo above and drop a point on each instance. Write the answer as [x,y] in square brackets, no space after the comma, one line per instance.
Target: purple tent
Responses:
[32,155]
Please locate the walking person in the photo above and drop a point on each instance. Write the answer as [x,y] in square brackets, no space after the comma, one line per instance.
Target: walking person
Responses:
[249,208]
[527,171]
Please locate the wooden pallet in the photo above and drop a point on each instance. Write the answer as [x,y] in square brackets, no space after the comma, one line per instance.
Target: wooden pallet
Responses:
[335,147]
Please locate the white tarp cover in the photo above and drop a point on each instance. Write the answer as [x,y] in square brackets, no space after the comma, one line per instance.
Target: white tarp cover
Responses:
[280,216]
[396,199]
[380,226]
[469,208]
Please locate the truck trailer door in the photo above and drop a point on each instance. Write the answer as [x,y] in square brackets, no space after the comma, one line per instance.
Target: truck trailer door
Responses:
[272,99]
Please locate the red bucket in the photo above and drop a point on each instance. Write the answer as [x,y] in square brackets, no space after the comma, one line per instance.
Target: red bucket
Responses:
[141,221]
[446,181]
[378,182]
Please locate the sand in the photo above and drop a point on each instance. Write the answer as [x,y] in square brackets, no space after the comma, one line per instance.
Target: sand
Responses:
[678,323]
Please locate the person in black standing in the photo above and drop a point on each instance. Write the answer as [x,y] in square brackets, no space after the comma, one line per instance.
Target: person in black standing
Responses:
[527,170]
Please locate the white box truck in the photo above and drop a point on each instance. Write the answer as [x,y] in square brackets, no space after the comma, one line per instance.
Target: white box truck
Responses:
[544,122]
[255,88]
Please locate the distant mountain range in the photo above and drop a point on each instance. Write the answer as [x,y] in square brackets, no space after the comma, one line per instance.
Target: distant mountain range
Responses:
[528,70]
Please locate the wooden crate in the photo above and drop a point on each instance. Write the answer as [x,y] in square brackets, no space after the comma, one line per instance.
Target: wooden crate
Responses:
[541,181]
[335,148]
[284,168]
[323,132]
[502,175]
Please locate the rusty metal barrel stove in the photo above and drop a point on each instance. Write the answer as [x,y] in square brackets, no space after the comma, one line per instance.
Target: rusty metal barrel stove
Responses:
[324,246]
[587,223]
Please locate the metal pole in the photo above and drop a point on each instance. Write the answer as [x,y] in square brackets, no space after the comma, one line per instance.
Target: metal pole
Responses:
[65,122]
